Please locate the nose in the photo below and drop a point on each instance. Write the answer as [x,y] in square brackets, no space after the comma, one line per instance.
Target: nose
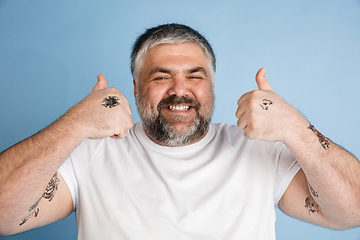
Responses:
[179,87]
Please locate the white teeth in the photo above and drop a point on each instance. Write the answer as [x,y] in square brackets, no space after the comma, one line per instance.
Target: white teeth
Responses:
[179,108]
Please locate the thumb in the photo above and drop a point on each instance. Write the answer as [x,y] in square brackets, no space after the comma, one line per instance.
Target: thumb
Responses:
[101,83]
[261,81]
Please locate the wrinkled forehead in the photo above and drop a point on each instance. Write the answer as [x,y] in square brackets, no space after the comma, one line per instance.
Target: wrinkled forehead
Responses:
[163,48]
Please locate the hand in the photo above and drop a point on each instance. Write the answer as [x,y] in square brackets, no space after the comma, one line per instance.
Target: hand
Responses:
[264,115]
[105,112]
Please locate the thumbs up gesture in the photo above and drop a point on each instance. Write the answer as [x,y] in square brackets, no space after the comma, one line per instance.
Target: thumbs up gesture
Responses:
[264,115]
[262,82]
[105,112]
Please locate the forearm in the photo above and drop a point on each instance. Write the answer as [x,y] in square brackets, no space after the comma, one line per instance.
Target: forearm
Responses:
[332,174]
[27,167]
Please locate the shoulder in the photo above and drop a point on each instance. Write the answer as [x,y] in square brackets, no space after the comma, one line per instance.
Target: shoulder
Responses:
[232,135]
[226,130]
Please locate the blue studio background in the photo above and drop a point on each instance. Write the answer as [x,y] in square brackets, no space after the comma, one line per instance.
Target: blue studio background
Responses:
[52,51]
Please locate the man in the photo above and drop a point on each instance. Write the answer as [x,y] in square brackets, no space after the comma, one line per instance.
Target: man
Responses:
[176,175]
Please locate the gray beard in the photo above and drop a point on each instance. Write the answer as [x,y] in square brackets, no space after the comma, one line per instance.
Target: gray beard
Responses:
[162,131]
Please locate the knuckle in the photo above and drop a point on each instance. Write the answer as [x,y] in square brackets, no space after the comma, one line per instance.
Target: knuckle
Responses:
[131,123]
[239,101]
[252,115]
[124,134]
[247,134]
[114,91]
[250,135]
[238,123]
[254,93]
[111,89]
[252,103]
[252,126]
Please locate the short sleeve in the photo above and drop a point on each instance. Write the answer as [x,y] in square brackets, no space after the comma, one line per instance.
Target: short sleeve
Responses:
[73,168]
[286,169]
[67,172]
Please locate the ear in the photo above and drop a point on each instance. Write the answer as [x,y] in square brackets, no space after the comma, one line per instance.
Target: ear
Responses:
[135,87]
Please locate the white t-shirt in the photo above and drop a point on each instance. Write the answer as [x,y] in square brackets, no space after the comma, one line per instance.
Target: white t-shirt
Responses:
[222,187]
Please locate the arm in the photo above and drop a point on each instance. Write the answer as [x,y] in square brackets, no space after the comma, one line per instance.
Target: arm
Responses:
[326,190]
[28,199]
[26,169]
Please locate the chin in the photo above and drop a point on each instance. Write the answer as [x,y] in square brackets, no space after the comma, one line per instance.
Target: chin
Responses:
[182,128]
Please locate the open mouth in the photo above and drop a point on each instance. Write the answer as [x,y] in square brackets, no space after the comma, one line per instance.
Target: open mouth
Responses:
[179,107]
[178,104]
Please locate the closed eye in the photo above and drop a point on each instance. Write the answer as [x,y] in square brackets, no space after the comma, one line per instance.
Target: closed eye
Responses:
[159,78]
[195,78]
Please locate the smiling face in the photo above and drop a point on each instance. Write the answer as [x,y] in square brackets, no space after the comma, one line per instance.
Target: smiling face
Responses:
[175,94]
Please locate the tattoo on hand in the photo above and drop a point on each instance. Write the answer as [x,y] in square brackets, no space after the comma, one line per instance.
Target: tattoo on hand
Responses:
[49,194]
[265,104]
[322,139]
[111,101]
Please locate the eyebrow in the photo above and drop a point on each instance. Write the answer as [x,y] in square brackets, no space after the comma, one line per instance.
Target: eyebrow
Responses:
[168,71]
[160,70]
[197,69]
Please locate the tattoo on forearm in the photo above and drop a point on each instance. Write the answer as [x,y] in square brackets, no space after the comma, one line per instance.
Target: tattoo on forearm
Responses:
[111,101]
[266,103]
[314,195]
[51,188]
[322,139]
[313,192]
[49,194]
[310,205]
[34,211]
[310,202]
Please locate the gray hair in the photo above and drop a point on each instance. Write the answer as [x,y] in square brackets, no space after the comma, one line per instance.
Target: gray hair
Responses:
[168,34]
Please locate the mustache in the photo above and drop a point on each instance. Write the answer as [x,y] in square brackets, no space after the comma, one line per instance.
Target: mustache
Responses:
[173,99]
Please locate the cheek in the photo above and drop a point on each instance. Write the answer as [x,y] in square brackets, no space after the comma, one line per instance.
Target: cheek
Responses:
[151,98]
[207,101]
[204,95]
